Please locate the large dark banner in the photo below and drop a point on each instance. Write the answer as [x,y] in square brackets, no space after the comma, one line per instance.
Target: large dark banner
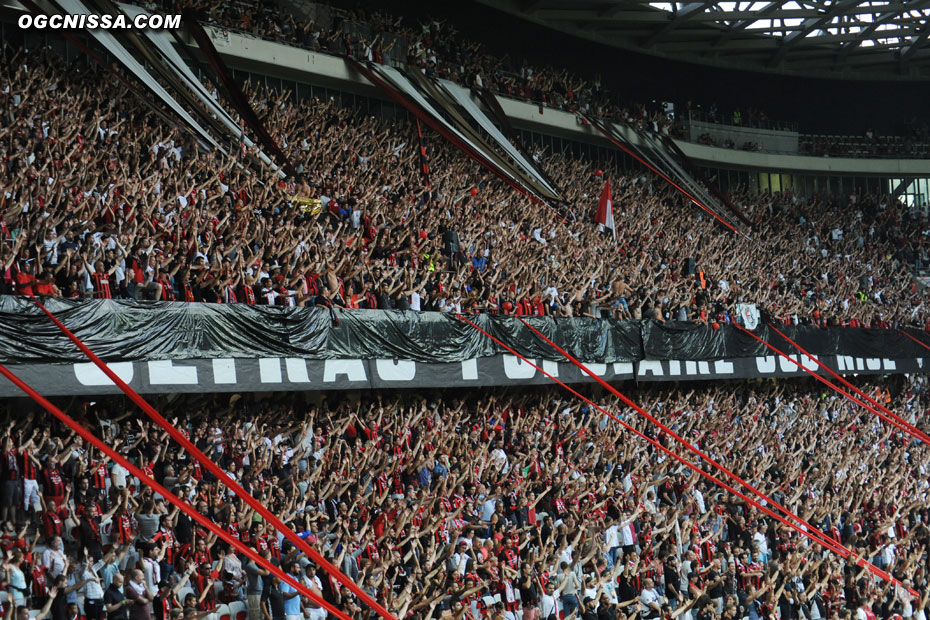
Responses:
[176,347]
[278,374]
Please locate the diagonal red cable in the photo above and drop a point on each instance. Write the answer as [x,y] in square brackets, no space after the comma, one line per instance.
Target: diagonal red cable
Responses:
[835,388]
[799,524]
[812,533]
[924,345]
[168,495]
[631,153]
[827,542]
[914,431]
[212,467]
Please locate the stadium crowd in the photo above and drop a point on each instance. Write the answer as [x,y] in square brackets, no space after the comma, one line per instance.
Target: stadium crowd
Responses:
[507,505]
[441,50]
[435,46]
[108,201]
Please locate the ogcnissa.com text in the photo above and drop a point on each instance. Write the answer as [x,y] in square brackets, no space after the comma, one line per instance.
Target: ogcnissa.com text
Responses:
[107,22]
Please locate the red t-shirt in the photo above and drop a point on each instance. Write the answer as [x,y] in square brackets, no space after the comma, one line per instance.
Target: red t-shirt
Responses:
[24,283]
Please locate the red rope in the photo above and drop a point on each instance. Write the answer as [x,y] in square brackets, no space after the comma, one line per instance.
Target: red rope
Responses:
[914,431]
[201,458]
[168,495]
[827,542]
[914,339]
[902,427]
[805,528]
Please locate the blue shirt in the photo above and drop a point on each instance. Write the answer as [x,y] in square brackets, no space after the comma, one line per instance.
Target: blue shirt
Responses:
[291,605]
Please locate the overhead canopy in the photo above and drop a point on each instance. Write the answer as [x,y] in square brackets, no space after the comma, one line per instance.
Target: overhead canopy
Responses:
[864,39]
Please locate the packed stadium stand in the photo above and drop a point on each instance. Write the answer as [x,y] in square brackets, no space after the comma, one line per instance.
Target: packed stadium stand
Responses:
[391,324]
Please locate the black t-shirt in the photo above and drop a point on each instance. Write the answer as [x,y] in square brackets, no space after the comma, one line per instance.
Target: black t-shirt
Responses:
[717,590]
[60,606]
[528,592]
[275,602]
[112,596]
[671,579]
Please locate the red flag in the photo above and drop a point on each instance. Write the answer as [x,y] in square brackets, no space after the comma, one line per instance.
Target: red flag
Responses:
[605,210]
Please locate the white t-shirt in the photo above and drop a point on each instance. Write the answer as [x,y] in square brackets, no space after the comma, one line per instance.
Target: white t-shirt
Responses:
[487,509]
[646,598]
[119,474]
[548,606]
[627,534]
[612,536]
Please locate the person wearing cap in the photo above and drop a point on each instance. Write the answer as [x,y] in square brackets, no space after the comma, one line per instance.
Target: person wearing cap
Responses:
[312,581]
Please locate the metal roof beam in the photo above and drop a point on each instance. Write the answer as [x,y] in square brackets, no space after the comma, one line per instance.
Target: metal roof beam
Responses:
[809,26]
[892,12]
[764,13]
[687,12]
[752,16]
[919,41]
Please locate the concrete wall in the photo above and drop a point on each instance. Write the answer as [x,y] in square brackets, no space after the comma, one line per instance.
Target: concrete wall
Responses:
[252,54]
[768,139]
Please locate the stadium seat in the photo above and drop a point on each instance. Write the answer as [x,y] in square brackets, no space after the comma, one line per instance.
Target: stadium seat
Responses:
[238,610]
[222,612]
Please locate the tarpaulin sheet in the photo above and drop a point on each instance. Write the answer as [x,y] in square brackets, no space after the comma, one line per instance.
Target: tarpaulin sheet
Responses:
[133,331]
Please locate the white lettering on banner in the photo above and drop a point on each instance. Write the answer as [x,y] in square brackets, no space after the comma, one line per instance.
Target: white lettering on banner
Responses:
[296,370]
[873,363]
[224,371]
[623,368]
[653,367]
[674,368]
[890,364]
[695,368]
[786,365]
[599,369]
[396,370]
[844,362]
[470,370]
[920,362]
[809,362]
[859,365]
[269,370]
[723,367]
[164,372]
[89,374]
[515,368]
[765,364]
[551,367]
[354,370]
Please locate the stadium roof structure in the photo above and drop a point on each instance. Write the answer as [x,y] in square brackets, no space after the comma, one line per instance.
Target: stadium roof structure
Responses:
[870,39]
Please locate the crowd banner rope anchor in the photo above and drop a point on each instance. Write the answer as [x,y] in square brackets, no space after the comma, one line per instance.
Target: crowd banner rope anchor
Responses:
[168,495]
[214,469]
[802,527]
